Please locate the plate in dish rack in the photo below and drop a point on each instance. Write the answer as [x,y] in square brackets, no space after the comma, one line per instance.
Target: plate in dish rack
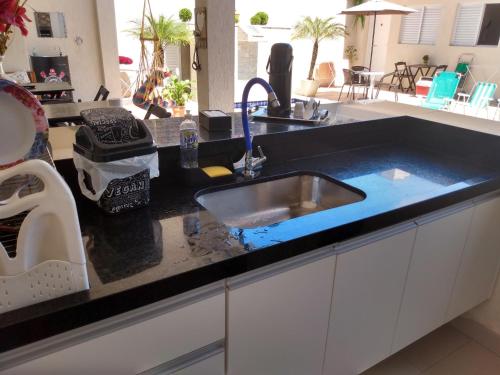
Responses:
[23,125]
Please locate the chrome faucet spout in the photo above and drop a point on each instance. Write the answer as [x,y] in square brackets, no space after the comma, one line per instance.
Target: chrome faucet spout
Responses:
[250,162]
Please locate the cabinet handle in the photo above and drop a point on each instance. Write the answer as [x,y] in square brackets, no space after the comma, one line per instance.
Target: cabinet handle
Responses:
[433,216]
[369,238]
[187,360]
[280,267]
[486,197]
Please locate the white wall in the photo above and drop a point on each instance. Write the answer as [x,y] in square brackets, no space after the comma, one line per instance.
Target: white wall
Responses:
[486,61]
[86,60]
[16,58]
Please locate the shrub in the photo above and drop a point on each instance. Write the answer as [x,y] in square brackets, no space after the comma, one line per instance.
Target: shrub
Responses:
[260,18]
[255,20]
[264,17]
[185,15]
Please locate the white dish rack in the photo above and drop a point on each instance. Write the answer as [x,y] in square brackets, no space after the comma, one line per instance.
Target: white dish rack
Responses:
[48,260]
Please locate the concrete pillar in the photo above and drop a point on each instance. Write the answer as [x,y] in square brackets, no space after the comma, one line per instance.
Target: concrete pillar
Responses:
[109,46]
[215,80]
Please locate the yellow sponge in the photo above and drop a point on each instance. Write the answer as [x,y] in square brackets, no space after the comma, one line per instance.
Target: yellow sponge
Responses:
[216,171]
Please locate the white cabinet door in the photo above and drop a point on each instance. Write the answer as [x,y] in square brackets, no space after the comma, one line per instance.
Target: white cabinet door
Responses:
[367,293]
[480,260]
[434,266]
[278,317]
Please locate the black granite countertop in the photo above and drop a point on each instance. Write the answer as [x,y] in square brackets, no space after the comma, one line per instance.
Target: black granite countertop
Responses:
[406,167]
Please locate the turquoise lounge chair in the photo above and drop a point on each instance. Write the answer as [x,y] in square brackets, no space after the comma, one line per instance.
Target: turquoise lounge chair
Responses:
[482,94]
[442,91]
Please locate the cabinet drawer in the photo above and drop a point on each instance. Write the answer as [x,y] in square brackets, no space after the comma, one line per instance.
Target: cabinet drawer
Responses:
[130,343]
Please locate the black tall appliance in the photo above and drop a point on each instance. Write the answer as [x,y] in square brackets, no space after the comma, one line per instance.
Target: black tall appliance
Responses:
[279,68]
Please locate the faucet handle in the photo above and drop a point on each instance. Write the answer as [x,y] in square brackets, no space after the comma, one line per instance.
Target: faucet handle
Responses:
[261,153]
[257,162]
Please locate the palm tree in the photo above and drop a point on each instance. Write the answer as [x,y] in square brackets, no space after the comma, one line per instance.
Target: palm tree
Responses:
[169,31]
[317,29]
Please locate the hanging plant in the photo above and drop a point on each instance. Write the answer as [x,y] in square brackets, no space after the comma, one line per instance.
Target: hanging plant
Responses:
[359,19]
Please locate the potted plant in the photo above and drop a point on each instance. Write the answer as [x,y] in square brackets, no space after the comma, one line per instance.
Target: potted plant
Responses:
[169,31]
[352,54]
[425,59]
[179,92]
[316,29]
[185,15]
[12,14]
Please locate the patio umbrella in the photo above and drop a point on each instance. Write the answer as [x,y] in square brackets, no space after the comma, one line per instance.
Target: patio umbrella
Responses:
[374,8]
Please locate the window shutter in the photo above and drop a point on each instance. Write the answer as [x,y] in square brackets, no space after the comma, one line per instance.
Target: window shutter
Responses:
[467,24]
[430,25]
[172,57]
[409,33]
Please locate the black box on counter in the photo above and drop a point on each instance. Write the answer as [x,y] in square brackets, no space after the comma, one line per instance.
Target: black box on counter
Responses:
[215,121]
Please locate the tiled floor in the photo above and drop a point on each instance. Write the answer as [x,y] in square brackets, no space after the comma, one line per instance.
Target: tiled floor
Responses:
[445,351]
[493,113]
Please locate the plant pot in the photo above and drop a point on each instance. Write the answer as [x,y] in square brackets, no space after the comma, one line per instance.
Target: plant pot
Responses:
[179,111]
[308,87]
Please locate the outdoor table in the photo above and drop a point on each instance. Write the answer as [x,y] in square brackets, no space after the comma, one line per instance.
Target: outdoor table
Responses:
[371,76]
[423,69]
[55,89]
[70,112]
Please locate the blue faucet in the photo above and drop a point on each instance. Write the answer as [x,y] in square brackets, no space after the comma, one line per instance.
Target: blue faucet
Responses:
[250,161]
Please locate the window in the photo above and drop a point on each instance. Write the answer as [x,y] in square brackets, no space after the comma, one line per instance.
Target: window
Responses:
[490,28]
[420,27]
[476,24]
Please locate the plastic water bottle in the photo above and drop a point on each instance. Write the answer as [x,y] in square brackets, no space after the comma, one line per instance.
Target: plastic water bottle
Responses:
[189,142]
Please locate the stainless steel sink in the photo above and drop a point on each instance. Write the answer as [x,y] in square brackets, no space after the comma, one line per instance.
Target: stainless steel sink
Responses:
[271,201]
